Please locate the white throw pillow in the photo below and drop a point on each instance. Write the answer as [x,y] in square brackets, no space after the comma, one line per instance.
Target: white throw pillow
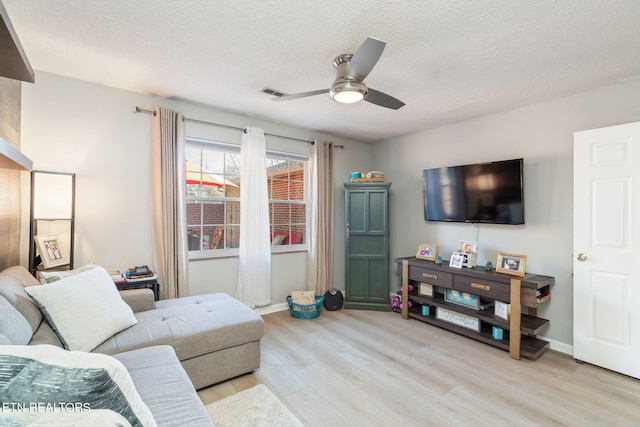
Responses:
[44,384]
[84,309]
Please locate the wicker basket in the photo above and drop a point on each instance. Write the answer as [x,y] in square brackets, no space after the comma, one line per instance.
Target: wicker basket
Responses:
[305,311]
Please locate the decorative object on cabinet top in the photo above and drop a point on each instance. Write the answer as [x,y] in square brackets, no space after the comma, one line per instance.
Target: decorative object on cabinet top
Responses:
[513,264]
[427,251]
[469,249]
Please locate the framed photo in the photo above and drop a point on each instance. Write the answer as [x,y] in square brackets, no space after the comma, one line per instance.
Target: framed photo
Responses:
[427,251]
[52,252]
[469,250]
[513,264]
[459,319]
[457,259]
[468,247]
[462,298]
[502,310]
[425,290]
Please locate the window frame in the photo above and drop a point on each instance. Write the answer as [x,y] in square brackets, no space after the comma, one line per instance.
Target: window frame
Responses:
[279,154]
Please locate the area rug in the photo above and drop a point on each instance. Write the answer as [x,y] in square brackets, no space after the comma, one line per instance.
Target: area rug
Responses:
[256,406]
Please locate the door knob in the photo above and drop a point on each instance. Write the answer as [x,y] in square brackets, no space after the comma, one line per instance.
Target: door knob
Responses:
[582,257]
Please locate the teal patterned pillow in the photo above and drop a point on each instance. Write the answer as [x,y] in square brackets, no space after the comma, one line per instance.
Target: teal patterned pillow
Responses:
[44,379]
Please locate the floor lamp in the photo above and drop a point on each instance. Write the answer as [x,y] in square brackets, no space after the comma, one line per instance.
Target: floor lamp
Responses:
[52,225]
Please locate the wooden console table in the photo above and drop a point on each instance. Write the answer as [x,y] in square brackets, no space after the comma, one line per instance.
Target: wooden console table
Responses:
[520,331]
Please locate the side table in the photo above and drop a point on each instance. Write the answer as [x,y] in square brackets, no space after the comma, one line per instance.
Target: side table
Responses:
[151,283]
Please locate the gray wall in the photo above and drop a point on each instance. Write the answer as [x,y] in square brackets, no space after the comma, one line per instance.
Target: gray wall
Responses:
[543,135]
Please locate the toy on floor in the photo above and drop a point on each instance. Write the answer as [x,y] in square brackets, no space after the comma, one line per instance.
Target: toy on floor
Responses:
[396,303]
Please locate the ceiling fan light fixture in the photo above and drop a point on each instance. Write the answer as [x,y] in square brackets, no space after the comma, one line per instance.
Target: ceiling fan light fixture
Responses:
[351,70]
[348,91]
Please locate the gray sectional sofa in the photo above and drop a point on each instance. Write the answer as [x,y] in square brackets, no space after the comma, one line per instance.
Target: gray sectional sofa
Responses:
[205,339]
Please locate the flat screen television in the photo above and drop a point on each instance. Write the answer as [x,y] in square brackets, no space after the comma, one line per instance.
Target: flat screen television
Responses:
[490,192]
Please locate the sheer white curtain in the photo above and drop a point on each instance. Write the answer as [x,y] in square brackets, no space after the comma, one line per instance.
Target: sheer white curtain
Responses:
[168,195]
[254,281]
[320,254]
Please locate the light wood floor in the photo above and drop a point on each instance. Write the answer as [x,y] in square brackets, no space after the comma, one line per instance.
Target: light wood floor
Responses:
[365,368]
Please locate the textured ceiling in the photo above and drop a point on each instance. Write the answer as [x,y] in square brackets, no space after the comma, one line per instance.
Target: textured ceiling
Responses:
[447,60]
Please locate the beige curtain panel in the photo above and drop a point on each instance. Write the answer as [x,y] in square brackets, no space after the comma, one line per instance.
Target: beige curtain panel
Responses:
[168,200]
[320,254]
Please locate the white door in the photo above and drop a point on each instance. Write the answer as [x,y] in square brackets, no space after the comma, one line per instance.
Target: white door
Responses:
[606,238]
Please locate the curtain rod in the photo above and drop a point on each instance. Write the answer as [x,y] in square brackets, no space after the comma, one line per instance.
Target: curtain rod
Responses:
[153,113]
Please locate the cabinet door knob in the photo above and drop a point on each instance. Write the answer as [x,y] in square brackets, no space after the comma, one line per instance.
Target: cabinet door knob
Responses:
[582,257]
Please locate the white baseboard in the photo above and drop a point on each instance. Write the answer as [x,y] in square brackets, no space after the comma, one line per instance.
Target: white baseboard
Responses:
[272,308]
[559,346]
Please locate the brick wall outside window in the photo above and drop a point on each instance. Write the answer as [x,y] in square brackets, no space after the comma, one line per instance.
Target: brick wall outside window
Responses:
[213,213]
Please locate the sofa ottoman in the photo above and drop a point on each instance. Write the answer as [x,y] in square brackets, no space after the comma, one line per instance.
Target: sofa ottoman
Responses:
[215,336]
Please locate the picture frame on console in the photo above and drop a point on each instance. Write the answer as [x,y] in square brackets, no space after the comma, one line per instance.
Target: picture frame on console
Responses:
[457,260]
[502,310]
[513,264]
[427,251]
[425,290]
[464,299]
[469,249]
[468,246]
[52,251]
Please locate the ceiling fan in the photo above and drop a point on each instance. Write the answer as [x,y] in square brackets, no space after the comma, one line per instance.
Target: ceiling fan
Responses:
[351,70]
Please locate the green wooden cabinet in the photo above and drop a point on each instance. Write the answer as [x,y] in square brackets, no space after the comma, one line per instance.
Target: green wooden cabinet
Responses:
[367,241]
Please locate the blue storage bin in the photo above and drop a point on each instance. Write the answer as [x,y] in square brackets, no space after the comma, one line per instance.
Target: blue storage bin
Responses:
[305,311]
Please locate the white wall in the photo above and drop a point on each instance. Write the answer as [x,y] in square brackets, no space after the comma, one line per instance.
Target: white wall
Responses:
[543,135]
[74,126]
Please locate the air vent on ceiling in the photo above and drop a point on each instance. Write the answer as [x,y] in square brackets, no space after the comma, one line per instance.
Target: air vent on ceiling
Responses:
[273,92]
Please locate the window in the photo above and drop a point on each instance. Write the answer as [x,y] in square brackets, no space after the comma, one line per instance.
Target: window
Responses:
[287,207]
[213,198]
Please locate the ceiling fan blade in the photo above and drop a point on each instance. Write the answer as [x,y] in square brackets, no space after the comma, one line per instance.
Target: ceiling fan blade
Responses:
[300,95]
[365,58]
[383,100]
